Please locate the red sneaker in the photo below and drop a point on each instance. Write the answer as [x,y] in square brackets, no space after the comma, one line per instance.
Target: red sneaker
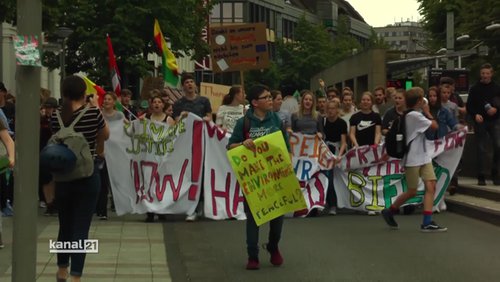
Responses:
[253,264]
[276,258]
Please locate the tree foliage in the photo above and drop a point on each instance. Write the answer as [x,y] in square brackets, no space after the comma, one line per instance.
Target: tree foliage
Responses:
[471,17]
[312,50]
[129,23]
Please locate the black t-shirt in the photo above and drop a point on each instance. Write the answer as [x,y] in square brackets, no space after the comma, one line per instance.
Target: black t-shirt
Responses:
[334,130]
[389,118]
[200,106]
[365,127]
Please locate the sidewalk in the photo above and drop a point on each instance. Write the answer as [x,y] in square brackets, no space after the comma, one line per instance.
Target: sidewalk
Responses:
[129,250]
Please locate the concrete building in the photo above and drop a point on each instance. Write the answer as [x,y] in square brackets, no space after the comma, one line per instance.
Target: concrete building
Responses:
[281,17]
[407,36]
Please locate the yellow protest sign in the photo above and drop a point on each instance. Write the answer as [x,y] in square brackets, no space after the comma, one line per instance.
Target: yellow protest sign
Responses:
[215,93]
[266,178]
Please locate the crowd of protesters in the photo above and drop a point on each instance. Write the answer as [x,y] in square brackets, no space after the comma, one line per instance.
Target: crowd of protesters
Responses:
[329,113]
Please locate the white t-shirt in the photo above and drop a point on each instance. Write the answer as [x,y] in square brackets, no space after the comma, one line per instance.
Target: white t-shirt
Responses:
[228,115]
[416,125]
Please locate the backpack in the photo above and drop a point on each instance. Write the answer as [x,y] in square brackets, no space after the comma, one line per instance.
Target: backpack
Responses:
[395,140]
[77,143]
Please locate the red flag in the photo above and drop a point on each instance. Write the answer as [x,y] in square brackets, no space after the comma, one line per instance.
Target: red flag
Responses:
[113,68]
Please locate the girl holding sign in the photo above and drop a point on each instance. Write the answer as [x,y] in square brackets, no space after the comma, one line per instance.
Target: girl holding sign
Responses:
[258,121]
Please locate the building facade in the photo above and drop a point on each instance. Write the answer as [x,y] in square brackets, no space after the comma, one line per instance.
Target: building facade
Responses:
[281,17]
[408,36]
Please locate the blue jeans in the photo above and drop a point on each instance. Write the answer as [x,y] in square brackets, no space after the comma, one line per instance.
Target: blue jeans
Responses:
[76,200]
[275,228]
[481,132]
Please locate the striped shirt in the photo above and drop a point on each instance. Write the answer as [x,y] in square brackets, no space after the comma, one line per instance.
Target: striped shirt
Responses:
[89,125]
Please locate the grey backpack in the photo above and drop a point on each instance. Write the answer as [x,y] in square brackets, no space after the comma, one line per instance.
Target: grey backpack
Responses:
[77,143]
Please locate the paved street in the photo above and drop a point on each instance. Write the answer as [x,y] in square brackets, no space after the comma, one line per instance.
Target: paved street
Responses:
[347,247]
[339,248]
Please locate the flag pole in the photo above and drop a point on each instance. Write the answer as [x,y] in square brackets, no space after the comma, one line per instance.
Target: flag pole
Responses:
[125,108]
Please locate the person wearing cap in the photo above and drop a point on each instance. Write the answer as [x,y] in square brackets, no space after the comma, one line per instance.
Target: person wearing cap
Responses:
[46,188]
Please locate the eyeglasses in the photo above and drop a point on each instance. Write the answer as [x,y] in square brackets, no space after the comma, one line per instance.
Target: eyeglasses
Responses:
[267,97]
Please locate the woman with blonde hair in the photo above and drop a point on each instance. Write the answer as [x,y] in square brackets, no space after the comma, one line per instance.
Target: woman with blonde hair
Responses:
[307,120]
[365,125]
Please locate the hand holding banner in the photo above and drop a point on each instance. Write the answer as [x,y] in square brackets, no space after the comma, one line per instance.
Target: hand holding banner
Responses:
[267,178]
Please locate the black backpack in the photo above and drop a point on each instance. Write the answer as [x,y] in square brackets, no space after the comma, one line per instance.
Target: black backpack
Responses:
[395,140]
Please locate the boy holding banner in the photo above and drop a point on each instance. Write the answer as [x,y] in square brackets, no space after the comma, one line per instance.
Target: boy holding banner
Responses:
[259,120]
[418,164]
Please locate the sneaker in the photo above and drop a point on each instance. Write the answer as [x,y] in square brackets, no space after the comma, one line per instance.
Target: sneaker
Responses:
[42,204]
[192,217]
[253,264]
[389,219]
[481,181]
[432,227]
[372,213]
[103,217]
[332,211]
[276,258]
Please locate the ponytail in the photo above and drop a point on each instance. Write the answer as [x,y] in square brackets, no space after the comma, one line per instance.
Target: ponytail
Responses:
[229,97]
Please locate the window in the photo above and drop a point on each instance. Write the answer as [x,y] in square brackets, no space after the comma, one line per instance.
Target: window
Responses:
[230,12]
[216,11]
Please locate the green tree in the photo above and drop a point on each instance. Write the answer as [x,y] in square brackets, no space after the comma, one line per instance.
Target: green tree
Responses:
[129,23]
[471,17]
[311,51]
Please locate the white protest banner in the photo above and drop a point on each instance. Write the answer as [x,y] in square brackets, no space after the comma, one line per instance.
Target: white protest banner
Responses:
[310,155]
[369,183]
[222,193]
[150,167]
[314,192]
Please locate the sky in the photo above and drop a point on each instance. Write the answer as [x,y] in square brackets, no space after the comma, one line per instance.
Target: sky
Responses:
[378,13]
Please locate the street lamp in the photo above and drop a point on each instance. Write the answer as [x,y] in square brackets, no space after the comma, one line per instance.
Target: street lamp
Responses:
[442,50]
[63,33]
[463,37]
[493,26]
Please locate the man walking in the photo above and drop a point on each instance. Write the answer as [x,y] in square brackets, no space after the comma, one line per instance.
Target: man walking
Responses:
[483,104]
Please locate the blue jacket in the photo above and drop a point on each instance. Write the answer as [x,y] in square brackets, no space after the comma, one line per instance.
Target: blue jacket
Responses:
[446,121]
